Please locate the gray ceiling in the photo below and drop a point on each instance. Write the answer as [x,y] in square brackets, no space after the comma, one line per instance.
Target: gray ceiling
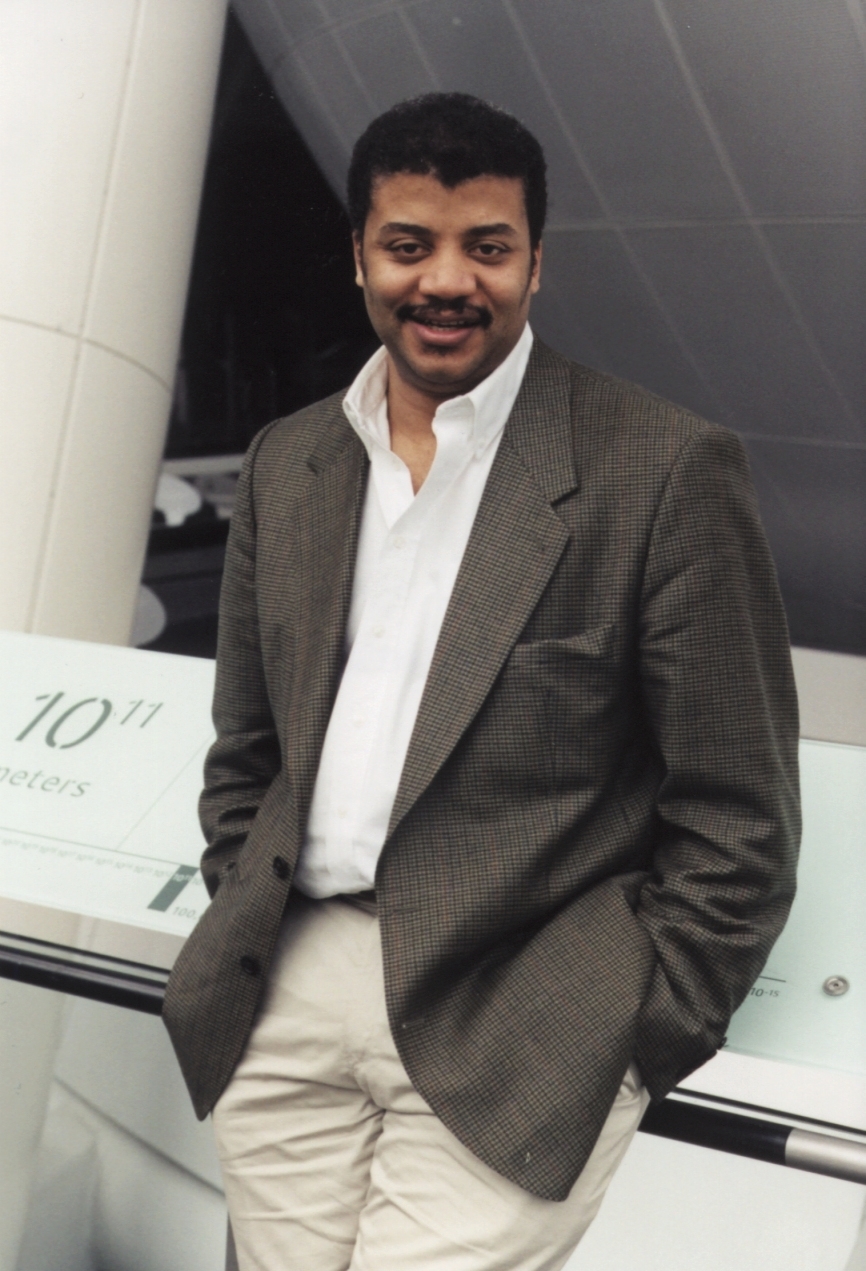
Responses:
[707,235]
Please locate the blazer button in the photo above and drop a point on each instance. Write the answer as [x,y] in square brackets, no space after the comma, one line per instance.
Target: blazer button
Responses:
[250,965]
[280,867]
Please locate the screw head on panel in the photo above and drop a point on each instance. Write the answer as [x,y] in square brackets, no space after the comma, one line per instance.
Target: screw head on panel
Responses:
[835,985]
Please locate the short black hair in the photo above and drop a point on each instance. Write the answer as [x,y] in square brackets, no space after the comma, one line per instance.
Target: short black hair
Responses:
[454,137]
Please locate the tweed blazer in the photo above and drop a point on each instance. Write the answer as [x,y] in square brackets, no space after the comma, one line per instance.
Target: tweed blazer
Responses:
[592,846]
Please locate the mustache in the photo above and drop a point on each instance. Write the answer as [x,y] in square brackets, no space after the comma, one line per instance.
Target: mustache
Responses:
[432,312]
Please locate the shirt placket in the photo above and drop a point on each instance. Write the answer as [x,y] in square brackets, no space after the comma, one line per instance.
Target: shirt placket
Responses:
[373,651]
[380,650]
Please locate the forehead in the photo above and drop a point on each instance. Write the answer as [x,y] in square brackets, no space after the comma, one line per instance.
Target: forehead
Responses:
[422,200]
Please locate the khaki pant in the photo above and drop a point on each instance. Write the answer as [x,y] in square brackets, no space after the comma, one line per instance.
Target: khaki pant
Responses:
[331,1158]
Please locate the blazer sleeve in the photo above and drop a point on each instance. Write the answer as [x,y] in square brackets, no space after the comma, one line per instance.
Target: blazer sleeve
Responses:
[245,758]
[719,695]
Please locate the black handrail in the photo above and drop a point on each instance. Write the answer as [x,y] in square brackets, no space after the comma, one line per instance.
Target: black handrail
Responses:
[712,1127]
[680,1117]
[83,975]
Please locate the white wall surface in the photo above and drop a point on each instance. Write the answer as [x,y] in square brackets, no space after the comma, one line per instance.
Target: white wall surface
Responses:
[105,1201]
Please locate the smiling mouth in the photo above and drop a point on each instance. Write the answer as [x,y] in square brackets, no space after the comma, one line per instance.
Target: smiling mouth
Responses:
[424,317]
[447,326]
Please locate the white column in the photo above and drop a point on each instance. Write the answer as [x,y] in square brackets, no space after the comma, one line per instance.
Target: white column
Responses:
[105,108]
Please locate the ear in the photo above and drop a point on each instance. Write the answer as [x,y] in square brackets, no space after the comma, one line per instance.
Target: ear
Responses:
[358,251]
[535,276]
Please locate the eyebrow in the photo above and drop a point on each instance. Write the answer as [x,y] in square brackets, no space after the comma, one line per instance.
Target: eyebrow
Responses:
[498,227]
[476,231]
[403,227]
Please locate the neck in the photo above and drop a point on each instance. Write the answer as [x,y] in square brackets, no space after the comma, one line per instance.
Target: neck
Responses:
[410,409]
[410,420]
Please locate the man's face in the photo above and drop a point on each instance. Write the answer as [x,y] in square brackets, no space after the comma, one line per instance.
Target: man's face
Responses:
[448,275]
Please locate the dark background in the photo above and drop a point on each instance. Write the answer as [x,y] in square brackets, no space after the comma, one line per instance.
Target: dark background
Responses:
[274,319]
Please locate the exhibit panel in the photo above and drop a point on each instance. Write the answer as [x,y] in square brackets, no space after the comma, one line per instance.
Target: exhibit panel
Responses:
[99,781]
[807,1009]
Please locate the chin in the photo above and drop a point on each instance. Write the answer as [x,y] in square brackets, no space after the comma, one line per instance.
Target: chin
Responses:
[459,361]
[442,371]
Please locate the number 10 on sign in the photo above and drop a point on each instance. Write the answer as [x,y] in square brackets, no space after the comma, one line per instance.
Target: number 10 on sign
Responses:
[88,715]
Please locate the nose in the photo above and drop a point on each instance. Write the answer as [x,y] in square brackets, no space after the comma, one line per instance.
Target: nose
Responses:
[446,275]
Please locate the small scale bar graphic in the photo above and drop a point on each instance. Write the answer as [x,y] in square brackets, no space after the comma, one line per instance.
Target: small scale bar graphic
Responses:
[172,888]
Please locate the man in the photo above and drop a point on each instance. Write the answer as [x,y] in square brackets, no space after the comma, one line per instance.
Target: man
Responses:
[504,696]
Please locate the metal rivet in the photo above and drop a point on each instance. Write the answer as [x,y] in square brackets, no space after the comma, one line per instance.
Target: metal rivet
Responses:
[836,985]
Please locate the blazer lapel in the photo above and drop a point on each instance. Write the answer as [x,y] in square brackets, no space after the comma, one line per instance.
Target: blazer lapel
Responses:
[327,518]
[515,544]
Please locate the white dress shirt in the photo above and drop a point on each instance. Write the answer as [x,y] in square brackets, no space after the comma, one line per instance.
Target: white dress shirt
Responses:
[409,551]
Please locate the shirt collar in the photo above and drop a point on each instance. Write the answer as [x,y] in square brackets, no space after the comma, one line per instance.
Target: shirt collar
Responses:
[486,407]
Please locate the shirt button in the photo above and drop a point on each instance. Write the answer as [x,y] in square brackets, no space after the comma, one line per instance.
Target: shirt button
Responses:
[399,542]
[341,813]
[379,631]
[359,723]
[280,867]
[250,965]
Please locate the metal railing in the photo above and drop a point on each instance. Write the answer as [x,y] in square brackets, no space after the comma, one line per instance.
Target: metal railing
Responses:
[686,1117]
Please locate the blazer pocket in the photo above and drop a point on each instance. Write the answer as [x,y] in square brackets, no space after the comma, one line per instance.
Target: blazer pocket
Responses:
[555,712]
[597,642]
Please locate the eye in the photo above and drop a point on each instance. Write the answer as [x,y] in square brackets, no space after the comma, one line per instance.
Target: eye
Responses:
[489,251]
[408,249]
